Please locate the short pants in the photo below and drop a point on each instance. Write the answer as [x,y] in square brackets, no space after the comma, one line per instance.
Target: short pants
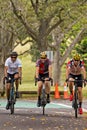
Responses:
[79,77]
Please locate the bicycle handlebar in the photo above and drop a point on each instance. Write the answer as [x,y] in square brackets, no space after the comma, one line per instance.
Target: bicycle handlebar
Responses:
[76,81]
[43,80]
[10,79]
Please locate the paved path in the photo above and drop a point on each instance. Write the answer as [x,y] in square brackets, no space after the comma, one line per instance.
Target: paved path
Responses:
[59,115]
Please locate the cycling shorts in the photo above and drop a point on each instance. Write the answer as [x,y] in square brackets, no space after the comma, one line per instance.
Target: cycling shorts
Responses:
[79,77]
[43,76]
[10,76]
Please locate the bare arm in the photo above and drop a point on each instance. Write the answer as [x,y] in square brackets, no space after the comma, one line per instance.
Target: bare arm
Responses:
[5,71]
[84,72]
[67,73]
[37,72]
[20,71]
[50,71]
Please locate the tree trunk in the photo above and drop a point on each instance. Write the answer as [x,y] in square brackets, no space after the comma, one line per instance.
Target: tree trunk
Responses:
[1,76]
[56,68]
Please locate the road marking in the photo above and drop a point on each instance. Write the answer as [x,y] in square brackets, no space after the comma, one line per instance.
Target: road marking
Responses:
[84,110]
[30,104]
[60,104]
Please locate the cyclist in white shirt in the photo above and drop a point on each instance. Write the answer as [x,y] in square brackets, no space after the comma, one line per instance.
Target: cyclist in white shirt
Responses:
[13,69]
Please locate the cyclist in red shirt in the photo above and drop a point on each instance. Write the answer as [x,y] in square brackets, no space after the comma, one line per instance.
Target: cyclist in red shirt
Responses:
[75,68]
[43,70]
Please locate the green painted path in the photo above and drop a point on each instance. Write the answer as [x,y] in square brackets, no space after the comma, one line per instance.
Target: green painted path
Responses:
[31,104]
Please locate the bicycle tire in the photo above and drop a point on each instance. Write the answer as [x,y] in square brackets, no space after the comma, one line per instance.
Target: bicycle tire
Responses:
[12,107]
[43,110]
[43,100]
[76,104]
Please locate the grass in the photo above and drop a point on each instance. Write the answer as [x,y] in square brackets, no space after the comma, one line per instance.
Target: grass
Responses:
[28,69]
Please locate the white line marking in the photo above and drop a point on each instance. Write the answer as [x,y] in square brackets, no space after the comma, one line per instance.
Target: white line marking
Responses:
[62,105]
[84,110]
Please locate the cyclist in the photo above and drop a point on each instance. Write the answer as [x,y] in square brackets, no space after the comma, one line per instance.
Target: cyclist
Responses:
[75,68]
[43,70]
[13,69]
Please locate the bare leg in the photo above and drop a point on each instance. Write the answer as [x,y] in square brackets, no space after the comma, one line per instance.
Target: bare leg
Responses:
[80,96]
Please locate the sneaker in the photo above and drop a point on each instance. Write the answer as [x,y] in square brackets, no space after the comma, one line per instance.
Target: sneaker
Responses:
[17,94]
[71,97]
[8,105]
[48,100]
[38,103]
[80,111]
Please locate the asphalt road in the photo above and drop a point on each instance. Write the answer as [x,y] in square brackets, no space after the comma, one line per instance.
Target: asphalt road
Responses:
[59,115]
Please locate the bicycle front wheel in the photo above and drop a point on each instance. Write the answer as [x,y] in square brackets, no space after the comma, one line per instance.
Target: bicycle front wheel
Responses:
[43,110]
[76,105]
[12,108]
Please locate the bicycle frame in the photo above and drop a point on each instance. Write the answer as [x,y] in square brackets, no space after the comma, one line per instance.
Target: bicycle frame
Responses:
[43,98]
[12,96]
[43,95]
[75,100]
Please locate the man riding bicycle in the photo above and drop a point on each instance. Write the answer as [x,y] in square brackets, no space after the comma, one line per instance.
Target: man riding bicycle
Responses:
[13,69]
[43,70]
[75,68]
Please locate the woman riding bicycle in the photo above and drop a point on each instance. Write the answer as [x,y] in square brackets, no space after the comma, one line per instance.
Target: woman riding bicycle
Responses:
[75,68]
[13,69]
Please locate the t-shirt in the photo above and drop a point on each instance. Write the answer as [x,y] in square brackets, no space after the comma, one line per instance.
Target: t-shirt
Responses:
[12,66]
[43,67]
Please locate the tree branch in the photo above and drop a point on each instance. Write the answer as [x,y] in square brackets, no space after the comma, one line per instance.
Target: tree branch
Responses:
[35,6]
[74,42]
[19,16]
[23,43]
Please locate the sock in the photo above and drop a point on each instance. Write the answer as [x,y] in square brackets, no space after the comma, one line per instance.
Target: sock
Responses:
[48,95]
[39,98]
[71,92]
[80,104]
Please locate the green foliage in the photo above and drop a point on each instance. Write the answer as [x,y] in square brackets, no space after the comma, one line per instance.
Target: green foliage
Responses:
[82,50]
[34,52]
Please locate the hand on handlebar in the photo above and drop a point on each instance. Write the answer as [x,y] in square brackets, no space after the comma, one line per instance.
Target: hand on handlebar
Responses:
[85,82]
[67,80]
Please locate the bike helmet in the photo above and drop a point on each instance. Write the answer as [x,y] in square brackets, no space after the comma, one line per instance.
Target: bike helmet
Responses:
[43,55]
[14,53]
[76,57]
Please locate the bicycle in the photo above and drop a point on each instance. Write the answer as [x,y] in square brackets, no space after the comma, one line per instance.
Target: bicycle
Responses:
[75,101]
[12,99]
[43,95]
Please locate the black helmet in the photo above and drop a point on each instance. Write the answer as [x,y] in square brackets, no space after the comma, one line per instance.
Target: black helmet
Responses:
[14,53]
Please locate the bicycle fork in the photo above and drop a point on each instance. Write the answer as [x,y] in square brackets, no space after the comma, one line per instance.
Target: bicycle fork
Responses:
[43,98]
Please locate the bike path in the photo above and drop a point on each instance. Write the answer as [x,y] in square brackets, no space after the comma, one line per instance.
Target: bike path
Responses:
[32,104]
[20,104]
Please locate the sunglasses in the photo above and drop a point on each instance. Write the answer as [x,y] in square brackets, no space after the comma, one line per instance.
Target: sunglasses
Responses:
[13,57]
[43,58]
[76,60]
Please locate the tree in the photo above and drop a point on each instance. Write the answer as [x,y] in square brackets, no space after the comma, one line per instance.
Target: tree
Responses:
[10,29]
[43,17]
[82,50]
